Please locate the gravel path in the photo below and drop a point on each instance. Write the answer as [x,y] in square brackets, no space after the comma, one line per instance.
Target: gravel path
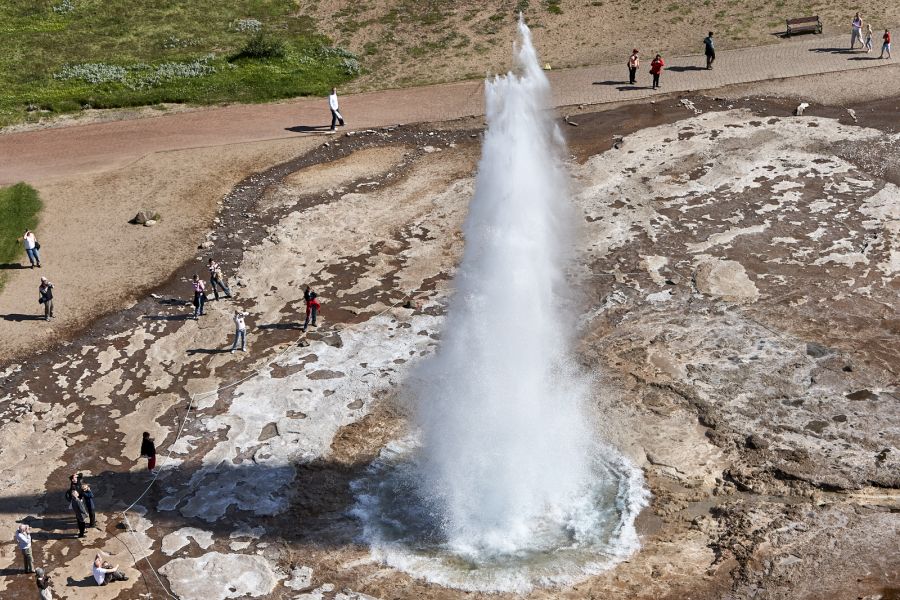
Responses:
[58,152]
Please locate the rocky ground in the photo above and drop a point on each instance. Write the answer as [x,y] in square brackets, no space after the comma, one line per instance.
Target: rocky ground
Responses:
[737,281]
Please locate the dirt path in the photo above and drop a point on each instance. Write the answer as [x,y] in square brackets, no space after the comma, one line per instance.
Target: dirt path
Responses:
[37,156]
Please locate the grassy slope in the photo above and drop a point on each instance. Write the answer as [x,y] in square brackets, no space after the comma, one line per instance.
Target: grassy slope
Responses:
[38,38]
[19,206]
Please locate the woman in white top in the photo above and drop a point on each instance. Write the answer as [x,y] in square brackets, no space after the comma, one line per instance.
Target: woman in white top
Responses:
[31,248]
[240,331]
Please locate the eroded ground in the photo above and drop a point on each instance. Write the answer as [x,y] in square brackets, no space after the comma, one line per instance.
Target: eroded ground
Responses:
[737,277]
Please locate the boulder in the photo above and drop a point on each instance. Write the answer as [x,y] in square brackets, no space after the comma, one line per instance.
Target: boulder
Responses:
[725,279]
[143,216]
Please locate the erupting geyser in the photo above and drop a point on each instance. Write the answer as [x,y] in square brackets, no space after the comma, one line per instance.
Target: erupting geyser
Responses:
[505,486]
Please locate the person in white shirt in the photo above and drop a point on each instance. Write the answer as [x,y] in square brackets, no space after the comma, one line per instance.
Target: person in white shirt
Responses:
[105,573]
[240,331]
[23,539]
[336,116]
[31,248]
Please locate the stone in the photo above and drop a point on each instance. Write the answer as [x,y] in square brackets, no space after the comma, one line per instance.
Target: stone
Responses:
[725,279]
[217,576]
[816,350]
[301,578]
[205,245]
[143,216]
[150,223]
[800,108]
[756,442]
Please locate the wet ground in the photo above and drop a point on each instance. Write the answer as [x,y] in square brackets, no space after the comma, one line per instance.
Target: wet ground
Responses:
[737,277]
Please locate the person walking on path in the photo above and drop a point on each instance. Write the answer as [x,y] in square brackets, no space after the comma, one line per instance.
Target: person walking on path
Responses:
[710,50]
[42,581]
[656,67]
[336,116]
[31,248]
[88,496]
[633,63]
[868,44]
[886,45]
[80,510]
[104,572]
[312,306]
[216,279]
[855,31]
[23,539]
[199,296]
[148,450]
[45,297]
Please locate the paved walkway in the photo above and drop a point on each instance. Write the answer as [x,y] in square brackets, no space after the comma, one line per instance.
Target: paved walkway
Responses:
[47,154]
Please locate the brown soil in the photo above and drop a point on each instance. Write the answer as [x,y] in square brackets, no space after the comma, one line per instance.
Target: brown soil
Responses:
[439,41]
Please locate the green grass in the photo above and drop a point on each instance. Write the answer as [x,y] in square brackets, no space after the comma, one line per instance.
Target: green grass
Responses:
[120,53]
[19,207]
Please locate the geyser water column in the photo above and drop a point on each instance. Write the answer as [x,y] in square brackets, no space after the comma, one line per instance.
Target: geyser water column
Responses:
[504,484]
[504,438]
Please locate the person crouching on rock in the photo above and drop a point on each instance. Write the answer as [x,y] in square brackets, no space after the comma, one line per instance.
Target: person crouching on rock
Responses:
[312,307]
[104,572]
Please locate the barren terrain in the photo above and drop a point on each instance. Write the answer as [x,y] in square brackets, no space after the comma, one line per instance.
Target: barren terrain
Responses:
[737,275]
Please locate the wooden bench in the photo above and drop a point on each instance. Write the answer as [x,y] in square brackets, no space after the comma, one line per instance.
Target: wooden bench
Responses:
[804,24]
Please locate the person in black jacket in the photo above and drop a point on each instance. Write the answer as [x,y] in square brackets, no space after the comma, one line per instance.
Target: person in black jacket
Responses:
[88,496]
[45,297]
[148,449]
[80,510]
[43,584]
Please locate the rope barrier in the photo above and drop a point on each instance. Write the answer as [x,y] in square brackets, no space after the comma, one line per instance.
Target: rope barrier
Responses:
[193,398]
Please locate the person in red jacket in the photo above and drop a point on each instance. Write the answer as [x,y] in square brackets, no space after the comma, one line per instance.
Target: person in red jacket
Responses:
[885,47]
[656,68]
[312,306]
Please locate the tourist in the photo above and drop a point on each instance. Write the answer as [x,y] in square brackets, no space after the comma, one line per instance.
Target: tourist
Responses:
[23,539]
[88,496]
[656,67]
[43,584]
[81,514]
[886,46]
[855,31]
[31,248]
[312,306]
[240,331]
[869,45]
[710,50]
[74,485]
[199,296]
[45,297]
[633,63]
[148,450]
[105,573]
[336,116]
[216,279]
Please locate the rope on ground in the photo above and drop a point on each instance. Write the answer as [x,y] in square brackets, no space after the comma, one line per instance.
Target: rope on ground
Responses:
[407,300]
